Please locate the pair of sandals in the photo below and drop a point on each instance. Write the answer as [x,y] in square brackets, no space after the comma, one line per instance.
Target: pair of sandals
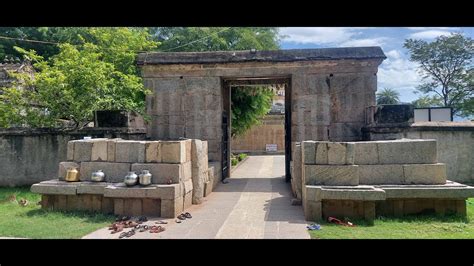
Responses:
[142,227]
[156,229]
[127,234]
[339,222]
[184,216]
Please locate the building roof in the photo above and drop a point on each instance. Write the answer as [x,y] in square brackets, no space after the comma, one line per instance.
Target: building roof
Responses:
[158,58]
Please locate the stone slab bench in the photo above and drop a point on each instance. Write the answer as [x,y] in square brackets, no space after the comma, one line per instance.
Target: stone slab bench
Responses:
[450,190]
[154,200]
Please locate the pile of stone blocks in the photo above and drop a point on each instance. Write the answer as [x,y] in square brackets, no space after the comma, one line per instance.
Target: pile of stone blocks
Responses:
[179,175]
[395,170]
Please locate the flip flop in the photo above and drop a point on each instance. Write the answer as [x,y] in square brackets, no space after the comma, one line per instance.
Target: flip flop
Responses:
[181,217]
[178,221]
[314,227]
[144,228]
[188,215]
[161,222]
[156,229]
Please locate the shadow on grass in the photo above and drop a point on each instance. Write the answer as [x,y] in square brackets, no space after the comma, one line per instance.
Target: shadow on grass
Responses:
[91,217]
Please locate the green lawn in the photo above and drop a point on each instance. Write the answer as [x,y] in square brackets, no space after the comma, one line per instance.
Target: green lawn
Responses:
[421,226]
[33,222]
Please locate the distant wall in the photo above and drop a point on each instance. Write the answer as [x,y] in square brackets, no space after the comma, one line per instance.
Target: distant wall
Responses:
[455,144]
[271,131]
[28,156]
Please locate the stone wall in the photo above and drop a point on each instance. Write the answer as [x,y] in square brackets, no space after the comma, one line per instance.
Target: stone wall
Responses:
[455,144]
[28,156]
[329,91]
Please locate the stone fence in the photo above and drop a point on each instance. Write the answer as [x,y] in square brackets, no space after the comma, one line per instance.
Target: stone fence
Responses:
[28,156]
[455,144]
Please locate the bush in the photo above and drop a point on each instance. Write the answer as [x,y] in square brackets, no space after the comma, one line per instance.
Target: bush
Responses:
[234,161]
[242,156]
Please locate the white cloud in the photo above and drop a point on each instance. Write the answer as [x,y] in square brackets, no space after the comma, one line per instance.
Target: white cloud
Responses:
[431,28]
[317,35]
[428,34]
[365,42]
[399,73]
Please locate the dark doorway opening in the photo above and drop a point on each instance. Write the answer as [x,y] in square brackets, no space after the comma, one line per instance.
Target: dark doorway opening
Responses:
[228,84]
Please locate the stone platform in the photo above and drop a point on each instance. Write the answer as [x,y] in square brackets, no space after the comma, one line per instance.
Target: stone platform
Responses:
[180,172]
[369,178]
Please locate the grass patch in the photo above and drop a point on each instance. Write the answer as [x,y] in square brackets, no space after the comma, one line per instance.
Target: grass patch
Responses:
[408,227]
[33,222]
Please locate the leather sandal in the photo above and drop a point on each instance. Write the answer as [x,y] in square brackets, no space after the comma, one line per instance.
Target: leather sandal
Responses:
[188,215]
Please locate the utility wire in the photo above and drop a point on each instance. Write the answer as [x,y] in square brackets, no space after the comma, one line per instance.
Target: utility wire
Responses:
[177,47]
[202,39]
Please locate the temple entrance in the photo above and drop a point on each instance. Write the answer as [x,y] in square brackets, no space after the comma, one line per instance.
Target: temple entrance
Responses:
[229,84]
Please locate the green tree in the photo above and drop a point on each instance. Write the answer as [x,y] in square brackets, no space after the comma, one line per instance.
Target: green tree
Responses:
[199,39]
[427,101]
[388,96]
[99,74]
[446,67]
[249,105]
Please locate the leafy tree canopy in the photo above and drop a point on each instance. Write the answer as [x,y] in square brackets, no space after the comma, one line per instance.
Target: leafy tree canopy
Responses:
[388,96]
[446,67]
[98,74]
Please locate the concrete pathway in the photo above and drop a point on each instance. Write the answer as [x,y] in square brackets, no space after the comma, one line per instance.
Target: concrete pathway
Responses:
[255,204]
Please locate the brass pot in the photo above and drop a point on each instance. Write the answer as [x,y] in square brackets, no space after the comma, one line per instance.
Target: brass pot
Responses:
[72,175]
[144,178]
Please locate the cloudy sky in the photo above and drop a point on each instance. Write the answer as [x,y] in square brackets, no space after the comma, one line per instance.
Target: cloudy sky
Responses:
[396,71]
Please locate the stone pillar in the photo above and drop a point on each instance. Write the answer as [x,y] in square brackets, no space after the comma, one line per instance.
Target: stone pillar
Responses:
[199,169]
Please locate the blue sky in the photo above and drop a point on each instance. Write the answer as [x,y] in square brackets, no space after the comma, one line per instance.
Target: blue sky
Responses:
[396,71]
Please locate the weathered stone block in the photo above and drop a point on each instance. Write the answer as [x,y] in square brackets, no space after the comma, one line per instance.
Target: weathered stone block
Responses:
[309,152]
[99,150]
[171,208]
[61,202]
[82,150]
[187,200]
[426,174]
[153,152]
[366,153]
[107,205]
[132,207]
[207,188]
[369,211]
[114,172]
[386,174]
[187,171]
[313,211]
[332,175]
[111,143]
[322,153]
[96,203]
[153,191]
[130,151]
[162,173]
[169,191]
[64,166]
[119,206]
[407,151]
[87,187]
[55,187]
[151,207]
[70,150]
[173,152]
[340,153]
[188,146]
[297,171]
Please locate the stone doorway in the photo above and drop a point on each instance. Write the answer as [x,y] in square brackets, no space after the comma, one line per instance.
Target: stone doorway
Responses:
[330,91]
[241,83]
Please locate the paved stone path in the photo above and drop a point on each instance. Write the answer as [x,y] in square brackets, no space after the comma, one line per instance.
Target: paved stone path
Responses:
[255,204]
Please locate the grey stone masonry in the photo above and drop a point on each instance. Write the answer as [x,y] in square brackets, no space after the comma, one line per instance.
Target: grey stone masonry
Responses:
[120,190]
[331,175]
[129,151]
[114,172]
[55,187]
[162,173]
